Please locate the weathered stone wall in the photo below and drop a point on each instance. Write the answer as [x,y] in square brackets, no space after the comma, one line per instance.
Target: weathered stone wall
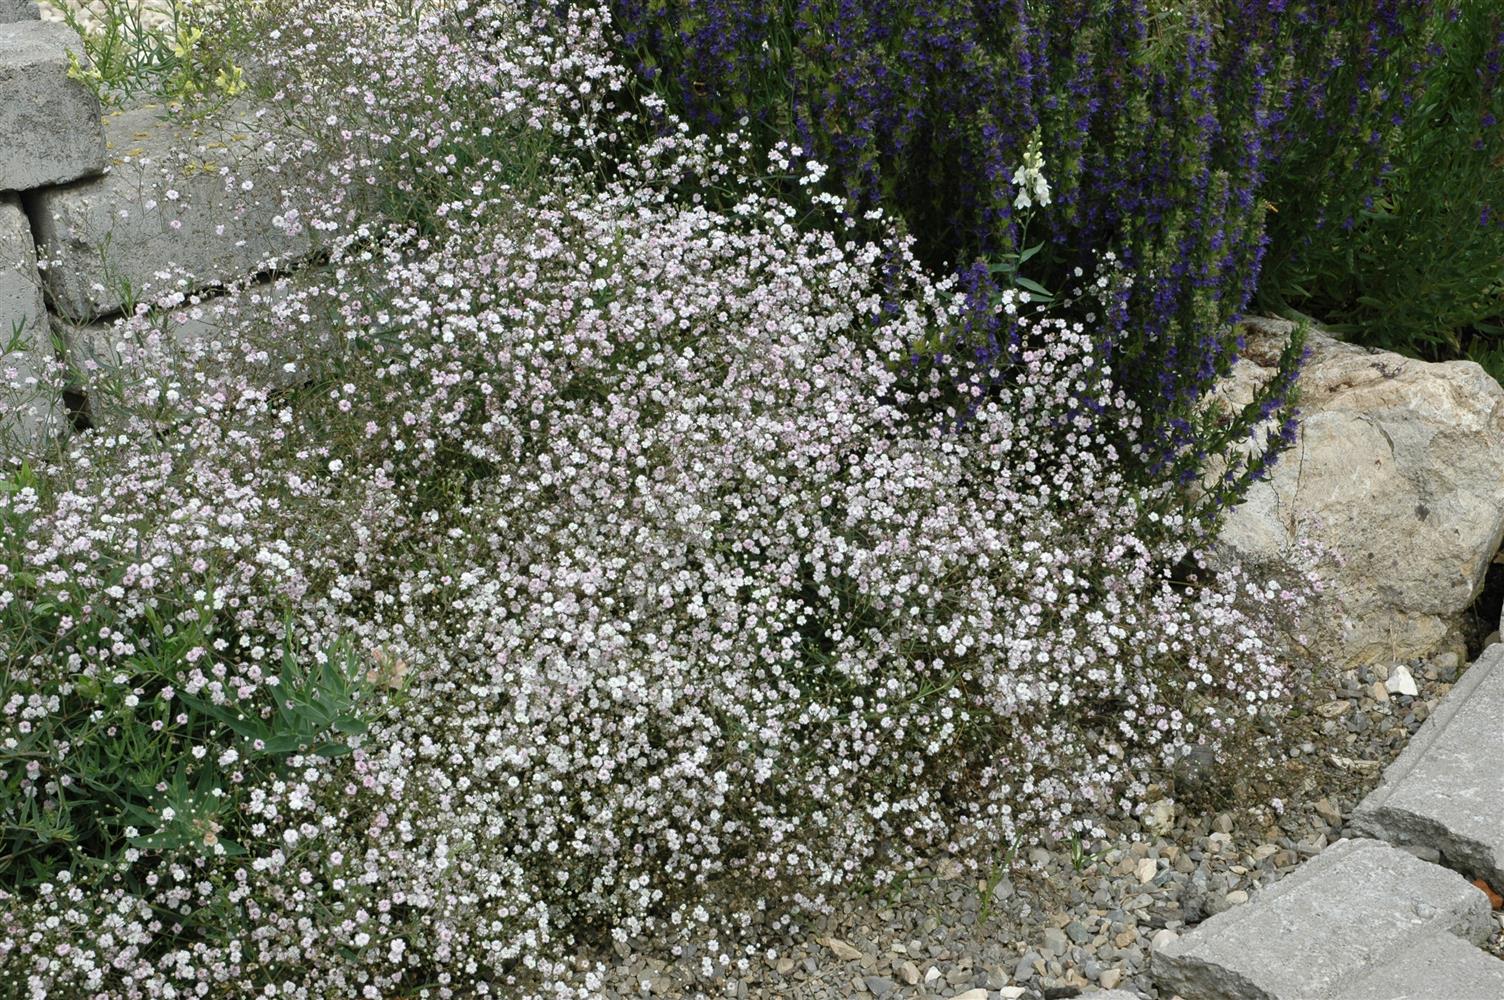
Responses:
[18,10]
[101,212]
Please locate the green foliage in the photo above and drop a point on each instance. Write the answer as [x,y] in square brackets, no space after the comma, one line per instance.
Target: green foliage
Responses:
[95,763]
[188,54]
[1416,265]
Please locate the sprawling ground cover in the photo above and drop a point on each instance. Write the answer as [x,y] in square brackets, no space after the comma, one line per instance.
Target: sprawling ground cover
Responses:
[595,547]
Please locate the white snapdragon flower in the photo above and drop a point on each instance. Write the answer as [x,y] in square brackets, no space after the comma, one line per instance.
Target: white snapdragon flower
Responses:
[1029,177]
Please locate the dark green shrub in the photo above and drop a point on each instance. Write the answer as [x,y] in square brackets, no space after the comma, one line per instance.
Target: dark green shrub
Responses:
[1414,263]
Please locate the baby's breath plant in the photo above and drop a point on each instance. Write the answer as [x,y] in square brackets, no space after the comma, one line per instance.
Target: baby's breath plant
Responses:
[709,589]
[121,729]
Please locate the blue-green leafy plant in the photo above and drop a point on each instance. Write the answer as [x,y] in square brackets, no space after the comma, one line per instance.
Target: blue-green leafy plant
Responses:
[95,762]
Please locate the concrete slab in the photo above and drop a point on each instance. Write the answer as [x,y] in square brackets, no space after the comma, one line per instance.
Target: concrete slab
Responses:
[1354,906]
[183,207]
[1440,967]
[50,124]
[1446,790]
[12,11]
[27,416]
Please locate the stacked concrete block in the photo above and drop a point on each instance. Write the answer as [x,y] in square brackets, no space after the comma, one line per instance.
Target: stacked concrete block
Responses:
[50,123]
[1360,916]
[18,10]
[27,411]
[1433,967]
[1446,790]
[50,133]
[100,214]
[181,209]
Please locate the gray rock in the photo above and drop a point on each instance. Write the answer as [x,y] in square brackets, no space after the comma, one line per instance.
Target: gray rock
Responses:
[173,202]
[1214,903]
[18,10]
[1195,771]
[1430,854]
[31,416]
[1322,926]
[1397,469]
[878,985]
[1440,965]
[1193,904]
[50,123]
[1446,789]
[1025,971]
[1055,941]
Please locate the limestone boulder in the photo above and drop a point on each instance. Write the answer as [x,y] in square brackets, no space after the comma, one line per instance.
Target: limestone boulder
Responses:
[28,412]
[1397,472]
[50,130]
[185,206]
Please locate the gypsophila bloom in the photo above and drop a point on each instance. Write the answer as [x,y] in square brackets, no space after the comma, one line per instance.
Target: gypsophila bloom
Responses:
[650,568]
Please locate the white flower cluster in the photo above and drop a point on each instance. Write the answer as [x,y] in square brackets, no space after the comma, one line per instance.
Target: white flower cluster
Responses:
[705,591]
[1029,178]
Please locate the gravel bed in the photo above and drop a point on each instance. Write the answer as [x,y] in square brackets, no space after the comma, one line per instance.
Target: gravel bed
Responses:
[1058,928]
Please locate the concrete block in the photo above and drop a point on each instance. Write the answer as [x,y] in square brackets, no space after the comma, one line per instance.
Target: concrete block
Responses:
[1438,966]
[1355,905]
[27,415]
[12,11]
[183,207]
[50,124]
[1446,790]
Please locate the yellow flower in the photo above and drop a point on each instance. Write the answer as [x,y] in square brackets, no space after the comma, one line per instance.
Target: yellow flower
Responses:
[78,71]
[230,81]
[187,39]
